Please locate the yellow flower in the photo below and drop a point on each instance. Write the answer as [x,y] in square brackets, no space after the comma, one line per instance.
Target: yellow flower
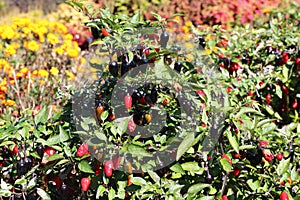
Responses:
[208,51]
[9,51]
[22,22]
[185,29]
[70,75]
[54,71]
[73,53]
[24,71]
[58,27]
[68,37]
[15,45]
[208,37]
[52,38]
[59,50]
[8,33]
[43,73]
[9,103]
[189,57]
[266,10]
[26,31]
[188,23]
[4,64]
[42,82]
[82,60]
[32,45]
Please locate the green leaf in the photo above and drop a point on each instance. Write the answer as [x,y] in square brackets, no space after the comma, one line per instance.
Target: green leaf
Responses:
[253,185]
[156,16]
[101,189]
[264,121]
[137,150]
[42,116]
[53,140]
[177,168]
[245,110]
[43,194]
[130,56]
[176,14]
[32,183]
[278,91]
[122,124]
[138,181]
[111,194]
[233,141]
[283,166]
[104,115]
[225,164]
[64,136]
[190,166]
[186,143]
[294,174]
[84,166]
[285,73]
[207,198]
[136,18]
[154,176]
[55,157]
[193,189]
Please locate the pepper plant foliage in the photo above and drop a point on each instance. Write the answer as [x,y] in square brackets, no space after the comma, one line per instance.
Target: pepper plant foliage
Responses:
[255,157]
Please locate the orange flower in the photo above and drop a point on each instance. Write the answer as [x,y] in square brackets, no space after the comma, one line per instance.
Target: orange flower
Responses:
[34,73]
[3,89]
[2,96]
[8,103]
[24,70]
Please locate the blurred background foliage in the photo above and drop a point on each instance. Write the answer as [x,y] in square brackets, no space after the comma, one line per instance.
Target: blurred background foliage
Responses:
[210,12]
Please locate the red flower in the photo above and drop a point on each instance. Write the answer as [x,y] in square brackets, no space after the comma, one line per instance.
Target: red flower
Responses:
[82,150]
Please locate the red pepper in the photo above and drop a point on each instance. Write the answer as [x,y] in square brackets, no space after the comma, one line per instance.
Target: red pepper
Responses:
[15,150]
[50,151]
[104,32]
[128,101]
[85,184]
[284,196]
[108,168]
[236,172]
[131,126]
[82,150]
